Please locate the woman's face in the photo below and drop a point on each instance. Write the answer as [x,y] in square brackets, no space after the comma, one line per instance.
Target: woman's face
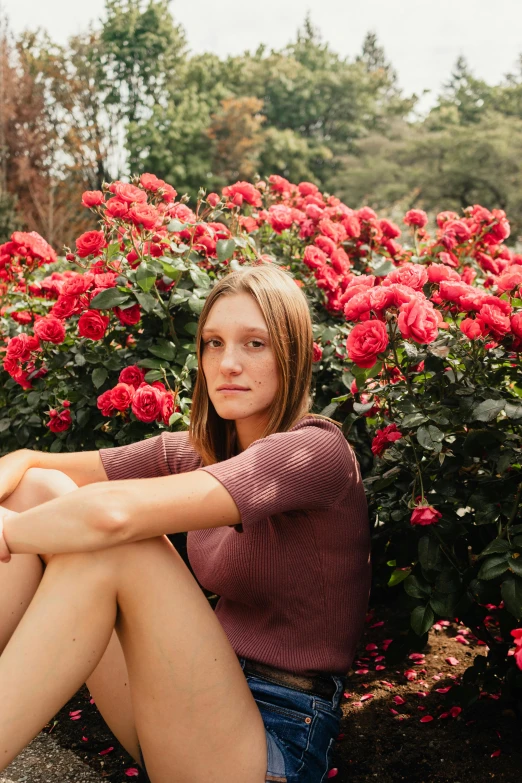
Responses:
[237,351]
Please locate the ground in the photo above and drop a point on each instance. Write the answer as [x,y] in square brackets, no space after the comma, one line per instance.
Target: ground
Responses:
[481,743]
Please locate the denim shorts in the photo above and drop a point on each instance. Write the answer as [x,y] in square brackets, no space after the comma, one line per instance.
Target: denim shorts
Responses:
[300,728]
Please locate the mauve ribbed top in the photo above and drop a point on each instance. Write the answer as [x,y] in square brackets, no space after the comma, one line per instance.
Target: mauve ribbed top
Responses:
[294,585]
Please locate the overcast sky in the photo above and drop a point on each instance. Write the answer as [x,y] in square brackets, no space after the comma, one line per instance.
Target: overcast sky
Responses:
[422,38]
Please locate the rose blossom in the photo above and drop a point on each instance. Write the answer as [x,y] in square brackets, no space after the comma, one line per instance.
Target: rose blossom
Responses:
[50,329]
[419,321]
[92,325]
[116,208]
[318,352]
[122,395]
[516,324]
[167,407]
[146,404]
[416,217]
[90,243]
[365,341]
[493,319]
[104,403]
[471,328]
[130,316]
[20,347]
[424,515]
[128,192]
[213,199]
[245,191]
[314,258]
[92,198]
[144,215]
[412,275]
[132,375]
[384,438]
[59,422]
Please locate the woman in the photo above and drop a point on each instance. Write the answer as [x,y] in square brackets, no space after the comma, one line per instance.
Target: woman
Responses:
[272,499]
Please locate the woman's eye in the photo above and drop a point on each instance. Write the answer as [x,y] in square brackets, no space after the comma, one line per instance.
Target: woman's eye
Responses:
[213,340]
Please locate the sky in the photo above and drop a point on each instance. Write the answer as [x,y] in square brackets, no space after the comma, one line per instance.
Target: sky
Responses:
[422,38]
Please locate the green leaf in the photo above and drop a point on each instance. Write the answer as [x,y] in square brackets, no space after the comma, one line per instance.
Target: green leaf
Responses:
[478,440]
[79,359]
[225,249]
[358,406]
[151,364]
[398,576]
[147,301]
[33,398]
[443,603]
[111,297]
[430,437]
[413,420]
[498,546]
[515,565]
[448,581]
[493,566]
[422,618]
[145,277]
[113,250]
[56,446]
[199,277]
[191,327]
[99,376]
[488,410]
[429,553]
[83,416]
[5,424]
[511,591]
[383,269]
[164,350]
[513,411]
[176,225]
[154,375]
[174,418]
[415,588]
[196,305]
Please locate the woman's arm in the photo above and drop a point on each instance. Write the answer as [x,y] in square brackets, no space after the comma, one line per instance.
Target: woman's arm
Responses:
[84,467]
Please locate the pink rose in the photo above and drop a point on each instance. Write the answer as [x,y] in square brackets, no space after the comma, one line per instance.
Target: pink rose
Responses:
[366,341]
[419,321]
[416,217]
[50,329]
[471,328]
[424,515]
[146,404]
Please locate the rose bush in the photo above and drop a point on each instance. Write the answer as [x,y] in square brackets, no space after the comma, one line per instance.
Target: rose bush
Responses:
[416,352]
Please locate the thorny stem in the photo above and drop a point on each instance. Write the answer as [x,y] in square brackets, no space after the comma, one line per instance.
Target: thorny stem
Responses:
[418,471]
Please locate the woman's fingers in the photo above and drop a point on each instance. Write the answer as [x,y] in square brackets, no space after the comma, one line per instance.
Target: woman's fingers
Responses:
[5,554]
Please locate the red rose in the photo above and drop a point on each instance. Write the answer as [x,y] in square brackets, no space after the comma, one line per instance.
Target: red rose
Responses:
[384,438]
[104,403]
[128,193]
[358,307]
[246,191]
[19,348]
[167,407]
[280,217]
[389,229]
[32,244]
[213,199]
[92,325]
[76,285]
[492,319]
[439,272]
[418,320]
[314,258]
[471,328]
[129,316]
[452,290]
[424,515]
[92,198]
[22,317]
[61,422]
[416,217]
[412,275]
[144,215]
[151,182]
[307,189]
[279,184]
[132,375]
[50,329]
[510,279]
[380,298]
[516,324]
[146,404]
[335,231]
[67,305]
[122,396]
[116,208]
[365,341]
[90,243]
[318,353]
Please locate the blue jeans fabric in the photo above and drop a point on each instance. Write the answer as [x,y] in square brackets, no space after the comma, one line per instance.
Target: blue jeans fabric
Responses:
[300,728]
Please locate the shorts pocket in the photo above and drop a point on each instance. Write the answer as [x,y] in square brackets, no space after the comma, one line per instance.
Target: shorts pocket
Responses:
[293,730]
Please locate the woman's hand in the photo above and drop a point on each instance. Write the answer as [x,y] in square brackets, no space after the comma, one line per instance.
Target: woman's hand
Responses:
[5,554]
[12,470]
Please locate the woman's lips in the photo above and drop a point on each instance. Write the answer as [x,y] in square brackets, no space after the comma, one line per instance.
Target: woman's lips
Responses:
[233,391]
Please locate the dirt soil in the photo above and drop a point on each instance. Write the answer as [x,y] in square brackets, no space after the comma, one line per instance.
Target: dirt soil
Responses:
[380,738]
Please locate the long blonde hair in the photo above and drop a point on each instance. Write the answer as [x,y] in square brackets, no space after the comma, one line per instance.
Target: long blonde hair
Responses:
[286,312]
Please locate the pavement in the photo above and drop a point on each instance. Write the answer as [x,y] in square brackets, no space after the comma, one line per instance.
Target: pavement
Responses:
[44,761]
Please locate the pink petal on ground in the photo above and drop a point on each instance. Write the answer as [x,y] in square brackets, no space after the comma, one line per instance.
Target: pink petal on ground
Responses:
[461,640]
[387,641]
[382,658]
[495,754]
[444,715]
[104,752]
[388,684]
[452,661]
[332,772]
[347,695]
[85,739]
[357,704]
[76,717]
[361,671]
[437,627]
[75,712]
[377,625]
[399,700]
[410,674]
[91,701]
[340,736]
[426,719]
[132,772]
[443,690]
[371,646]
[416,657]
[421,708]
[454,711]
[379,668]
[422,693]
[436,677]
[367,696]
[394,712]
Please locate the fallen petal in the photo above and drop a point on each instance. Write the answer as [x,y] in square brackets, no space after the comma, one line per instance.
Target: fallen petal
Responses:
[132,772]
[332,772]
[426,719]
[367,696]
[452,661]
[443,690]
[399,700]
[104,752]
[495,754]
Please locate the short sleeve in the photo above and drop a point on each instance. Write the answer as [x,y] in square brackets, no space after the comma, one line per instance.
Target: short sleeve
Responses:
[308,468]
[145,459]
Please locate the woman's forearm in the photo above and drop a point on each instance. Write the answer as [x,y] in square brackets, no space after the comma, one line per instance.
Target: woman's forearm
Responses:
[84,467]
[80,521]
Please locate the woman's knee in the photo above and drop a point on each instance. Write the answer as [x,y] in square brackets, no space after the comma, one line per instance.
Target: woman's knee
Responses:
[37,486]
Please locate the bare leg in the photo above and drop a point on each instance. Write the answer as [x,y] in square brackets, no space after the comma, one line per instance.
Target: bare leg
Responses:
[19,580]
[196,717]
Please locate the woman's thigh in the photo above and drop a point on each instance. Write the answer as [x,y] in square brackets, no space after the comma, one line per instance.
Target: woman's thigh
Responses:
[301,729]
